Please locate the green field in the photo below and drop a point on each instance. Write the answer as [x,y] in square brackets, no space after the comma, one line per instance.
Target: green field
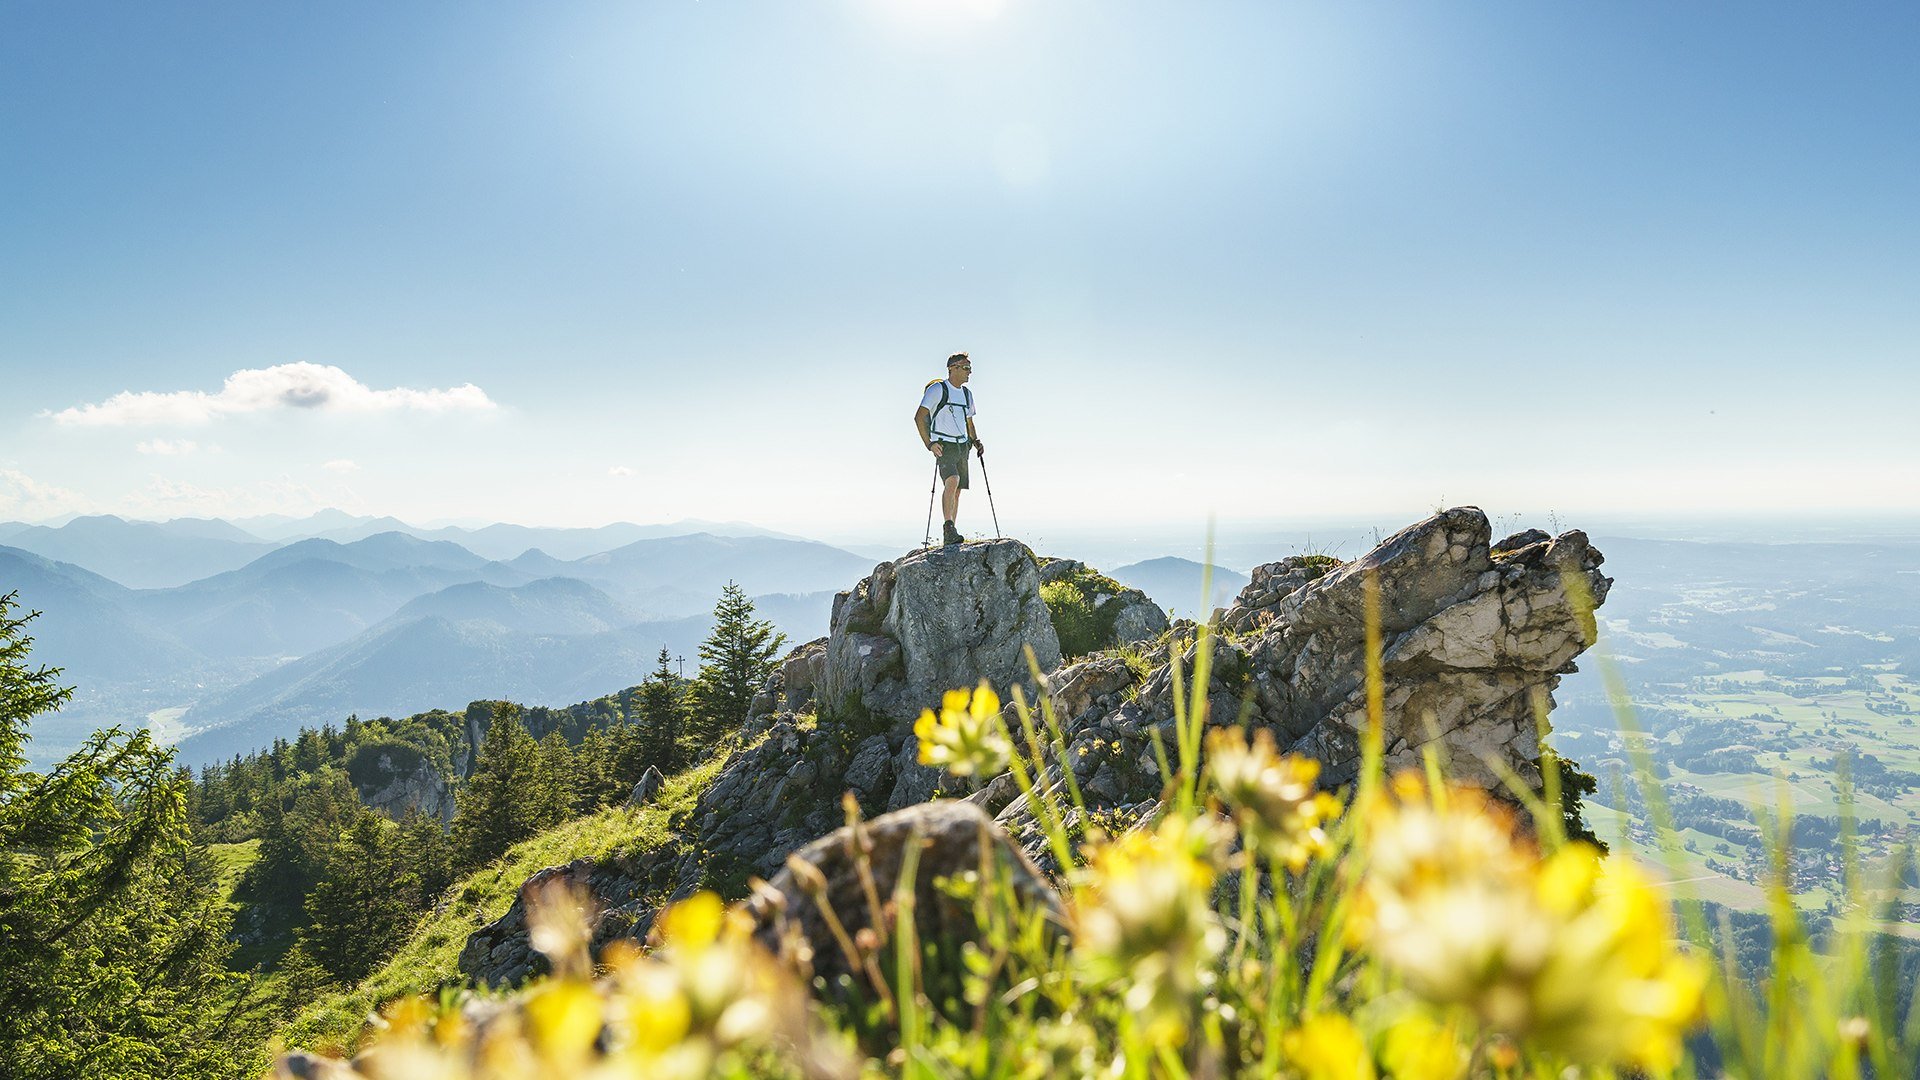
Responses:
[1802,721]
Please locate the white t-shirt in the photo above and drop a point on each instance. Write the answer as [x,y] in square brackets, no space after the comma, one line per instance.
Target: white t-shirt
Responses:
[948,424]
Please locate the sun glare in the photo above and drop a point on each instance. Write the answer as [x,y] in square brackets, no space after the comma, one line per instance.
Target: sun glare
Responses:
[936,14]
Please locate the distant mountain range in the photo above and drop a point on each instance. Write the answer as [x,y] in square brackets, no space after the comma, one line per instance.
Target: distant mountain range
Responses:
[310,627]
[546,642]
[1174,583]
[143,554]
[496,541]
[164,554]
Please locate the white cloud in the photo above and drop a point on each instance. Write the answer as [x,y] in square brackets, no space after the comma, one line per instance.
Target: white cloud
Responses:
[620,470]
[26,499]
[341,465]
[168,447]
[316,387]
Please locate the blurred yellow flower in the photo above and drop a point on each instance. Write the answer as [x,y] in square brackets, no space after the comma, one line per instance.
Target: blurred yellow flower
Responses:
[968,736]
[1567,955]
[564,1018]
[1328,1047]
[1272,795]
[1145,920]
[1418,1047]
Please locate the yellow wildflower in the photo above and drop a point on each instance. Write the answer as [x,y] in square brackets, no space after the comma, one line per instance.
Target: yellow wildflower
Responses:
[1272,795]
[1145,921]
[1328,1046]
[1419,1047]
[968,736]
[1566,955]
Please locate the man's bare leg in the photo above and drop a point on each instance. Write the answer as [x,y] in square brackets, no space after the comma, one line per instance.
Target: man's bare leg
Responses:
[950,498]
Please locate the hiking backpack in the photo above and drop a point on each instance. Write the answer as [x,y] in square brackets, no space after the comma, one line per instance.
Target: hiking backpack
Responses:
[943,404]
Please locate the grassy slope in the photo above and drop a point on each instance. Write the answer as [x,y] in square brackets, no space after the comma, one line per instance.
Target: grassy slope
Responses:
[232,861]
[428,958]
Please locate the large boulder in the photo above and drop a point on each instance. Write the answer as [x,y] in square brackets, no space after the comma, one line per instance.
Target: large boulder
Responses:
[501,953]
[935,620]
[955,838]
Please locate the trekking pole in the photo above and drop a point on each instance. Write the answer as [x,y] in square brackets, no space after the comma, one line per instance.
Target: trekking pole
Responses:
[990,506]
[926,538]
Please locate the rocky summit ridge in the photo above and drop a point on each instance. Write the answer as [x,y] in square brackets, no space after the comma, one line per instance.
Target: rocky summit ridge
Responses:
[1475,637]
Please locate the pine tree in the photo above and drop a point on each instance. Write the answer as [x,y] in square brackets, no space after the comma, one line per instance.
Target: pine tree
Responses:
[113,936]
[593,783]
[495,809]
[358,910]
[735,660]
[555,790]
[429,853]
[662,720]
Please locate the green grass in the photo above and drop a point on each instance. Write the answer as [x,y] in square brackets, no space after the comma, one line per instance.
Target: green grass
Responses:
[232,860]
[429,958]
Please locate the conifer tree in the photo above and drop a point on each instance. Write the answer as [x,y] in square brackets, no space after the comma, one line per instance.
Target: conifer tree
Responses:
[495,808]
[735,660]
[662,720]
[555,790]
[593,783]
[429,854]
[358,910]
[112,935]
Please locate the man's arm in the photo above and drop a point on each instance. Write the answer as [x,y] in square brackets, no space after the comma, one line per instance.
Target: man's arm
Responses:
[974,438]
[921,419]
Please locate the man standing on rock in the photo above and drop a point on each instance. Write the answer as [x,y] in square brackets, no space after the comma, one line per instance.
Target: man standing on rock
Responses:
[945,423]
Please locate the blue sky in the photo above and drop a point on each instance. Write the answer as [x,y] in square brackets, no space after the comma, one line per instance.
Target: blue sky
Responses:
[644,261]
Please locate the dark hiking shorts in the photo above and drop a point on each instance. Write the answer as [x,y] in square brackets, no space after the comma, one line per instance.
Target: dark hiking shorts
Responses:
[953,461]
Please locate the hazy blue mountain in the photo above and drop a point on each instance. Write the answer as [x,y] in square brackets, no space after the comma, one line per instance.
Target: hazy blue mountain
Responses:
[507,541]
[1174,583]
[366,527]
[87,624]
[691,570]
[141,554]
[315,593]
[546,606]
[537,562]
[424,659]
[8,528]
[211,529]
[382,551]
[283,527]
[500,541]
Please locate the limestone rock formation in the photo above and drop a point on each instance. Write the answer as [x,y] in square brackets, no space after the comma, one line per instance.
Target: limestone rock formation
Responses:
[936,619]
[1475,638]
[953,837]
[415,783]
[645,788]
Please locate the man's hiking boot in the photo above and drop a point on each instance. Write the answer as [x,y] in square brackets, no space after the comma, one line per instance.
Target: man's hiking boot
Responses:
[951,534]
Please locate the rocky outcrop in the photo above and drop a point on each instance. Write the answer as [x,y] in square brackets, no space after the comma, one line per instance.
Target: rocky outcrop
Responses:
[937,619]
[397,781]
[645,788]
[501,953]
[1475,637]
[955,838]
